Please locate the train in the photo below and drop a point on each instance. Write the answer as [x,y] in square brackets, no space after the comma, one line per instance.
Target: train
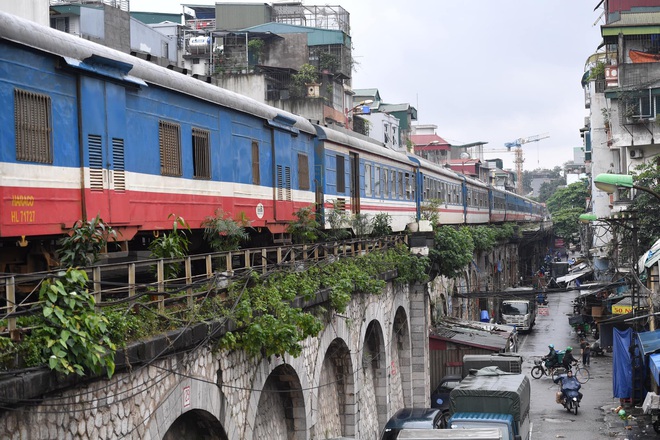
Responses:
[91,131]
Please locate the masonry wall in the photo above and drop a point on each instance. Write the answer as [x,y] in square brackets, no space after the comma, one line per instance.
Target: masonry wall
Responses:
[330,390]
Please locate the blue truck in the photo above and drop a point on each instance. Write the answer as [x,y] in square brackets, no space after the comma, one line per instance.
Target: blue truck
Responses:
[492,398]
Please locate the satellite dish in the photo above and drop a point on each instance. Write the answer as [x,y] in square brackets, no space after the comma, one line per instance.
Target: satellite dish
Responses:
[465,155]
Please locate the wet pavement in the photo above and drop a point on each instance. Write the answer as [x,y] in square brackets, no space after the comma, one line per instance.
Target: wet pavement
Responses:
[598,413]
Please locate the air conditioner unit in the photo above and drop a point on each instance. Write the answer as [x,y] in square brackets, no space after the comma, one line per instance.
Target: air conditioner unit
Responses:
[636,154]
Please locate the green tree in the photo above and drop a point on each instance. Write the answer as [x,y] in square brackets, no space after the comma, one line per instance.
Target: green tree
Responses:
[647,207]
[484,238]
[565,206]
[452,250]
[571,196]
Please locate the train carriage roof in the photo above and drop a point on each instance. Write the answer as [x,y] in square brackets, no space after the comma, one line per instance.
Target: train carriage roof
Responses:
[434,168]
[355,140]
[83,54]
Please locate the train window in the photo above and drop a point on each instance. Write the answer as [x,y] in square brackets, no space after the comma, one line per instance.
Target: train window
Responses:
[400,184]
[393,184]
[256,173]
[201,153]
[367,179]
[341,175]
[303,171]
[377,181]
[407,181]
[169,135]
[33,125]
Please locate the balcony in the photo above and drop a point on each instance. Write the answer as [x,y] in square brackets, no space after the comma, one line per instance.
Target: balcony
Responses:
[119,4]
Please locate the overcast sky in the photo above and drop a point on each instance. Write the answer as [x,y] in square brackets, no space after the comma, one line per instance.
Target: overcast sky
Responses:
[481,70]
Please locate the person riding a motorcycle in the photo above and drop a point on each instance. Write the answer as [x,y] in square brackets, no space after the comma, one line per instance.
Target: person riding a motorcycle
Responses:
[568,360]
[569,385]
[552,358]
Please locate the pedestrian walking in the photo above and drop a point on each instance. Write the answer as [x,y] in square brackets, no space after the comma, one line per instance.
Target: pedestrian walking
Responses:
[586,352]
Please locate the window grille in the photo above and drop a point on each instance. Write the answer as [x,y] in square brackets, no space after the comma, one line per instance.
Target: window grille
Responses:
[169,135]
[33,126]
[201,153]
[341,175]
[303,171]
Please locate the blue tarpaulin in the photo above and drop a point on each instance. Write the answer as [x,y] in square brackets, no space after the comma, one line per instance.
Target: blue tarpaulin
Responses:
[654,367]
[621,365]
[649,341]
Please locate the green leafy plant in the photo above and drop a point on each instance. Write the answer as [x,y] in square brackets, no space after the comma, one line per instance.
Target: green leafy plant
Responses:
[452,250]
[305,228]
[361,225]
[381,225]
[223,233]
[75,335]
[307,74]
[171,245]
[84,243]
[256,47]
[267,322]
[339,221]
[328,61]
[429,211]
[484,238]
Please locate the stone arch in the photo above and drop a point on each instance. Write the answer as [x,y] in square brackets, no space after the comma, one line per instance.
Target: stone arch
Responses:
[335,393]
[190,394]
[373,398]
[196,423]
[281,408]
[401,362]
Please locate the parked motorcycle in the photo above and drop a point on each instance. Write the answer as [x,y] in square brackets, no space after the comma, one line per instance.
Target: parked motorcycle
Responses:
[540,369]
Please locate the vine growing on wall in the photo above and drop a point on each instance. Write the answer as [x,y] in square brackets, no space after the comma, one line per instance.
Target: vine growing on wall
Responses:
[269,325]
[75,337]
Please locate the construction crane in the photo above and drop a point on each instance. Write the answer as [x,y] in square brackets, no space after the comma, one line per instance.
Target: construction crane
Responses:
[517,145]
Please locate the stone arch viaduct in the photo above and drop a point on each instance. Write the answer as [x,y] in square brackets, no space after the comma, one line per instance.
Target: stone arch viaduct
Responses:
[366,364]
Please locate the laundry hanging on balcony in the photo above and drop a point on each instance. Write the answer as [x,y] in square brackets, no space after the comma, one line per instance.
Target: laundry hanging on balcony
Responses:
[637,56]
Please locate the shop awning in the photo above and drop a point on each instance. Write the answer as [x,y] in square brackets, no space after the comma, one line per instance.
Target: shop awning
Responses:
[573,276]
[649,258]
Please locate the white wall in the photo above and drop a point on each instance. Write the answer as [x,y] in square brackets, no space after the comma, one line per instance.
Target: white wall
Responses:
[35,10]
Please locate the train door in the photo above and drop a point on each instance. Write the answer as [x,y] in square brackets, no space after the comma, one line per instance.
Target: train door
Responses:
[282,169]
[103,134]
[355,182]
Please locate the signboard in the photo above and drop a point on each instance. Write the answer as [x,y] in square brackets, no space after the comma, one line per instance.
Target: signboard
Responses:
[621,309]
[559,242]
[186,397]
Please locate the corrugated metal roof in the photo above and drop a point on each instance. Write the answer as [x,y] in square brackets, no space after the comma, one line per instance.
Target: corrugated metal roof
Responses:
[649,341]
[473,333]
